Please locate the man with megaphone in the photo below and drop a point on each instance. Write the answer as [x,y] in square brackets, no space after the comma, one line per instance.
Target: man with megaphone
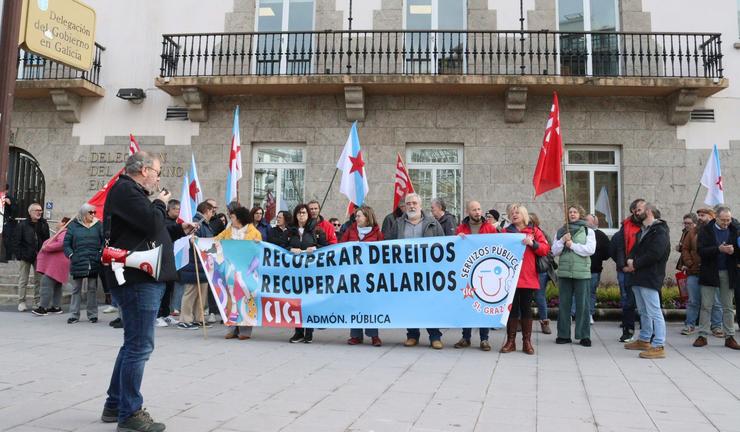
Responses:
[137,260]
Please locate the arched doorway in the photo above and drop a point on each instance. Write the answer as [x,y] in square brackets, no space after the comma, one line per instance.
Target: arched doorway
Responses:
[26,181]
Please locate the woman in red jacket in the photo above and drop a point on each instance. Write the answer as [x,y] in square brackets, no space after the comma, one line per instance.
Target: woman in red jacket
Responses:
[364,229]
[521,310]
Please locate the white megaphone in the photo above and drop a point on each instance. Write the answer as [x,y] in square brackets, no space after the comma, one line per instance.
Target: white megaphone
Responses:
[147,261]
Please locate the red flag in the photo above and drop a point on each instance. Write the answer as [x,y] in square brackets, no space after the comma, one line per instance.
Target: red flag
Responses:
[98,200]
[403,184]
[548,174]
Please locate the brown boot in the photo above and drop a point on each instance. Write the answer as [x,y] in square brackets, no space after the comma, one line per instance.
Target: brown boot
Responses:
[527,336]
[731,343]
[510,344]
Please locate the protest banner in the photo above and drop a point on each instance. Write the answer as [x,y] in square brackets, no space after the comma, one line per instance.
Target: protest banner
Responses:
[444,282]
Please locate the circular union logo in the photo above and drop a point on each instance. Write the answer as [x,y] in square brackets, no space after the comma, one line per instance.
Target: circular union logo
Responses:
[490,280]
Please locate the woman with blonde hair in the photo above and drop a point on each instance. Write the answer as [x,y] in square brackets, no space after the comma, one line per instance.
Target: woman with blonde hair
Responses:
[521,310]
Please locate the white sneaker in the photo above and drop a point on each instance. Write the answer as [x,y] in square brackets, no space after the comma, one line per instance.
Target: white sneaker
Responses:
[110,309]
[211,318]
[22,307]
[171,321]
[160,322]
[592,320]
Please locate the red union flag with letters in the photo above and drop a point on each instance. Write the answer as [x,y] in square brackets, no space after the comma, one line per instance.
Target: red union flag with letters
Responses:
[548,174]
[403,184]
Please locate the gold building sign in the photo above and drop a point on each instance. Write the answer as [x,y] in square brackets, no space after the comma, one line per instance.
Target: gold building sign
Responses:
[60,30]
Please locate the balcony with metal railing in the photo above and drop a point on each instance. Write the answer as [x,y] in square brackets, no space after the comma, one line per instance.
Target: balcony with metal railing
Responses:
[577,63]
[38,76]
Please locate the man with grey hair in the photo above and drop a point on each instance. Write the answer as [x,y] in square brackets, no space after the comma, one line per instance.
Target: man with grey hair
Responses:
[28,238]
[445,219]
[132,222]
[415,223]
[717,244]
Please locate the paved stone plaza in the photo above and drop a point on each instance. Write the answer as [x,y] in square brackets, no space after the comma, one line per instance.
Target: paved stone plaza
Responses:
[53,377]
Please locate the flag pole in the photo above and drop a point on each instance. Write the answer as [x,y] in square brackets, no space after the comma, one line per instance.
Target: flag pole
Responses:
[197,282]
[565,195]
[695,196]
[329,188]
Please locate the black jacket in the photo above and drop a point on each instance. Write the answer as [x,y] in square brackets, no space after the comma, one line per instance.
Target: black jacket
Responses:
[311,237]
[708,248]
[448,223]
[602,252]
[28,238]
[278,237]
[135,223]
[83,245]
[650,255]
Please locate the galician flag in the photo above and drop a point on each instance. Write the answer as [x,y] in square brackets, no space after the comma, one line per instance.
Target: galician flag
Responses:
[182,245]
[354,180]
[195,192]
[235,162]
[186,212]
[712,180]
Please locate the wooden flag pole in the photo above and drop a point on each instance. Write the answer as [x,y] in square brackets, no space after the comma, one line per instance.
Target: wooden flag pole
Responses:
[329,188]
[693,203]
[197,282]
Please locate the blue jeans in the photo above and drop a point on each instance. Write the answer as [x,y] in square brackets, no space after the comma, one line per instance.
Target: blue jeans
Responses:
[138,305]
[434,334]
[176,302]
[628,302]
[540,296]
[651,315]
[357,333]
[694,304]
[483,332]
[595,279]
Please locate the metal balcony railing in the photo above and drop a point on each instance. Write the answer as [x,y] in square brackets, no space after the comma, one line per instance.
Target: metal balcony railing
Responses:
[607,54]
[34,67]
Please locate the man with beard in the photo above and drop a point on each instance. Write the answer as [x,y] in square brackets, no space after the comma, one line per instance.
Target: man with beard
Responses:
[415,224]
[621,246]
[646,265]
[717,244]
[475,224]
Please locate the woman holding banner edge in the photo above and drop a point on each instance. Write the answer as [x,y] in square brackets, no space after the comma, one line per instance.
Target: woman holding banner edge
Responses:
[304,237]
[364,229]
[521,308]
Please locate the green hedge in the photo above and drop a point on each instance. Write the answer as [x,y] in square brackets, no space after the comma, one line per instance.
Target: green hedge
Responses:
[607,296]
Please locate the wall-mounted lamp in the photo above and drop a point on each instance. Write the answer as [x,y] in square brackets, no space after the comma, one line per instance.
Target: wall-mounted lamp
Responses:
[134,95]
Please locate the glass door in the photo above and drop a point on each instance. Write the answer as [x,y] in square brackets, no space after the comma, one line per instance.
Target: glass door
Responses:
[284,54]
[434,48]
[591,55]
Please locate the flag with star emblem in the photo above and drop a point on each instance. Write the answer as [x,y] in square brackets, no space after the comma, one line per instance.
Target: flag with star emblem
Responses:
[712,180]
[354,180]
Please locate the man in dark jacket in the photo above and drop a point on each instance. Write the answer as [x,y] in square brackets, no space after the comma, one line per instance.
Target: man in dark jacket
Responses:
[620,246]
[9,224]
[718,248]
[415,224]
[447,220]
[597,259]
[27,240]
[133,222]
[646,265]
[191,314]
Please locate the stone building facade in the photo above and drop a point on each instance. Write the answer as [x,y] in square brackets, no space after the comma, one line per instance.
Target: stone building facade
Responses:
[463,137]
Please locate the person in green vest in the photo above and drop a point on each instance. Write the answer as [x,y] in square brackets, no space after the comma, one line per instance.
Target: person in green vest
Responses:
[574,244]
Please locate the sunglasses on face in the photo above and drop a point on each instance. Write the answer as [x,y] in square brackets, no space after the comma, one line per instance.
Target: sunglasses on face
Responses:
[92,212]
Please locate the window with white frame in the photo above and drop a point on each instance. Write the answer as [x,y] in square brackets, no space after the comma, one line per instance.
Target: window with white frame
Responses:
[592,180]
[436,172]
[278,178]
